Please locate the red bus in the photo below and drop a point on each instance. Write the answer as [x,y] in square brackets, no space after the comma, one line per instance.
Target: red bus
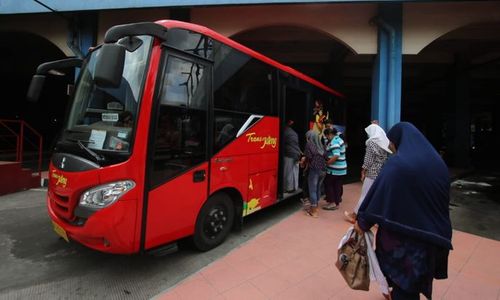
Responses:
[173,131]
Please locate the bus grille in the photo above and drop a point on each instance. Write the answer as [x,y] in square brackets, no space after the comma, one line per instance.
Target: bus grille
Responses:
[63,206]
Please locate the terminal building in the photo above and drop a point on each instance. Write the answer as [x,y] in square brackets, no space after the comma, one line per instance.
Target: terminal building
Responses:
[433,63]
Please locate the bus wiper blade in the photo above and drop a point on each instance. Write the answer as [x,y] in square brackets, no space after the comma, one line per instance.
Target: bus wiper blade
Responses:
[97,157]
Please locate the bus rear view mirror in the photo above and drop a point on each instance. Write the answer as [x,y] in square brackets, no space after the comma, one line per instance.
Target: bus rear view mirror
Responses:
[109,66]
[51,67]
[35,88]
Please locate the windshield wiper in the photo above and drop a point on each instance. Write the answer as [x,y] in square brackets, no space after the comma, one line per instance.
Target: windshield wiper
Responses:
[97,157]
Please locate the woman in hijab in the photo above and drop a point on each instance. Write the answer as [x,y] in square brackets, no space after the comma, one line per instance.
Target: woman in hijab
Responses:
[377,151]
[409,202]
[315,155]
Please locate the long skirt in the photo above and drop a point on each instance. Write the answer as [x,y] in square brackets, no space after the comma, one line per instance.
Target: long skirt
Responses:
[367,183]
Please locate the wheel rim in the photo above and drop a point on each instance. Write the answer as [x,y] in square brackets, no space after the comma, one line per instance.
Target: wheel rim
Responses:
[215,222]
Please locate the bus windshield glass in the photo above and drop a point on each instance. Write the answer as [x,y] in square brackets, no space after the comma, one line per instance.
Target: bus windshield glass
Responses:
[102,121]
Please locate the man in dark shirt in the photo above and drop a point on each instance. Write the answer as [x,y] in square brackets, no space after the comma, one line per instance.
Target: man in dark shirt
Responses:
[292,155]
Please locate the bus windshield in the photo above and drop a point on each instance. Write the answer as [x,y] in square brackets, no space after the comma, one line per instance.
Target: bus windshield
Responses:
[102,121]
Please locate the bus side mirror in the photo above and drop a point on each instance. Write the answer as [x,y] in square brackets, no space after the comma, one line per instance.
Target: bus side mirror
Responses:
[50,67]
[109,66]
[35,88]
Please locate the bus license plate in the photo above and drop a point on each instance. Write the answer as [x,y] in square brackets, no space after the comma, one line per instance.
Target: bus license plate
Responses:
[60,231]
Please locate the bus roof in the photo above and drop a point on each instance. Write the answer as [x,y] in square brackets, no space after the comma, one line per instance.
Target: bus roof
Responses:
[219,37]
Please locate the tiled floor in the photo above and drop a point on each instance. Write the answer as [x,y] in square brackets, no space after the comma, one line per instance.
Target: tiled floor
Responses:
[294,260]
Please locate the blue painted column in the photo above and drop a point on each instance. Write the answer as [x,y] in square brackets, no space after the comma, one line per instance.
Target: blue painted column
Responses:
[82,34]
[87,32]
[386,82]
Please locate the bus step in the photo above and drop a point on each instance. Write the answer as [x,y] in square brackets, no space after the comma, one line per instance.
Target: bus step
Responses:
[164,250]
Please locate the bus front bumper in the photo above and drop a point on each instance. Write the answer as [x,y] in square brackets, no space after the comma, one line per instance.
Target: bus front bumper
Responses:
[111,229]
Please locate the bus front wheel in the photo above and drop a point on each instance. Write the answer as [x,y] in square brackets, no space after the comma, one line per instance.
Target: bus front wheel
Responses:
[214,222]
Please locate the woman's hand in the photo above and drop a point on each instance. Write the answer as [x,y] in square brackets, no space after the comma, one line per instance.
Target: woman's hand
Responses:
[363,175]
[358,229]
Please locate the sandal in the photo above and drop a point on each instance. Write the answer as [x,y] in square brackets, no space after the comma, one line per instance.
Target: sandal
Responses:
[330,207]
[306,204]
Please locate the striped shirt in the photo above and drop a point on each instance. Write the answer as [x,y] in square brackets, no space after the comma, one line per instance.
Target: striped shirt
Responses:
[336,147]
[375,158]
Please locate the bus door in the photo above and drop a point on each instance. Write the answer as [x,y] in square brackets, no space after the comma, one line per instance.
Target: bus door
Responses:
[178,164]
[294,106]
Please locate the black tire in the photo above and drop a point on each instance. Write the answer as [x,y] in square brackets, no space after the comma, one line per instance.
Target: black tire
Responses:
[214,222]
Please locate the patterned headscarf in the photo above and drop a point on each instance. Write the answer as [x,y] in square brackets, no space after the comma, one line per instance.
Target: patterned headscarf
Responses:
[313,137]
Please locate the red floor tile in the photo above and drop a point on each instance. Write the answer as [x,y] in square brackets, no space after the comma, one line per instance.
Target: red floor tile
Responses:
[250,268]
[294,259]
[225,279]
[214,267]
[298,292]
[171,295]
[293,271]
[465,287]
[273,257]
[271,283]
[245,291]
[196,289]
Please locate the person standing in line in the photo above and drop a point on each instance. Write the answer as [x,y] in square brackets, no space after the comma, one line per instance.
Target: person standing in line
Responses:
[292,155]
[336,169]
[324,139]
[409,201]
[315,155]
[377,152]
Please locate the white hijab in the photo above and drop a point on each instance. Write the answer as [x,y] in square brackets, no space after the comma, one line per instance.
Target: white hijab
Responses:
[377,135]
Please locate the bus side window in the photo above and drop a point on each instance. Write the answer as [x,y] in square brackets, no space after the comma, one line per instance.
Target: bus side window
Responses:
[242,87]
[226,127]
[248,90]
[180,139]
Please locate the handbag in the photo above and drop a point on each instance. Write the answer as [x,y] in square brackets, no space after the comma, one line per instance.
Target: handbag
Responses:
[352,261]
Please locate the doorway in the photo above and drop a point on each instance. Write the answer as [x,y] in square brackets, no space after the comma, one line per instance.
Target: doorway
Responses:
[296,105]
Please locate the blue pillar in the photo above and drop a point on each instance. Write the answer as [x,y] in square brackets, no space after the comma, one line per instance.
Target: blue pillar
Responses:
[82,34]
[87,34]
[386,84]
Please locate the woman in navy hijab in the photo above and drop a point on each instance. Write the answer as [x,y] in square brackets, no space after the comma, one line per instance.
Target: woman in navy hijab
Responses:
[409,202]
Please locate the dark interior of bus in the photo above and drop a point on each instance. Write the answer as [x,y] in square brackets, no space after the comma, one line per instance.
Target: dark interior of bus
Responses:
[296,101]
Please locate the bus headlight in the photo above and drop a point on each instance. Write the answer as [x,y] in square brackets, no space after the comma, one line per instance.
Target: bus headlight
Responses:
[105,195]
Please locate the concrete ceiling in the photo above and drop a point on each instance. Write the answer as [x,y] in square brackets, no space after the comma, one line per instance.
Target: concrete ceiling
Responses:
[328,60]
[307,50]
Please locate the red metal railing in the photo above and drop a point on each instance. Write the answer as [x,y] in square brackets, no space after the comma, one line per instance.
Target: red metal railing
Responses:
[16,128]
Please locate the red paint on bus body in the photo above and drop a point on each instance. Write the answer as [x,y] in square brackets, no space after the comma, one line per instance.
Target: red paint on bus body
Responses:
[119,223]
[248,166]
